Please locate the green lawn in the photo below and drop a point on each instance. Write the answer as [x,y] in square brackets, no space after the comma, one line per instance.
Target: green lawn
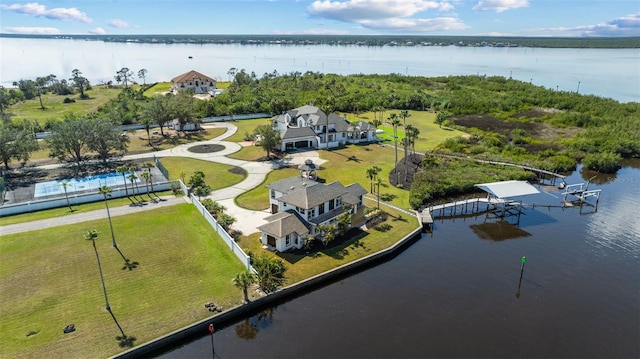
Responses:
[139,141]
[49,278]
[216,175]
[257,199]
[249,153]
[364,243]
[160,88]
[64,211]
[55,109]
[246,126]
[430,136]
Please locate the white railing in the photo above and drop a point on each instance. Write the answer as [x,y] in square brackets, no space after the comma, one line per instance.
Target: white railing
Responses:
[74,199]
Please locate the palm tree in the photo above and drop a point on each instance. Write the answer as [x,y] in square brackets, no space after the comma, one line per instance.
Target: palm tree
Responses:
[378,183]
[123,170]
[395,122]
[409,139]
[327,108]
[404,114]
[132,177]
[243,281]
[146,176]
[64,185]
[106,191]
[92,236]
[372,172]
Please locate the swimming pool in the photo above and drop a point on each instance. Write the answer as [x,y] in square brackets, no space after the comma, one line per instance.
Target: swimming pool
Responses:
[55,188]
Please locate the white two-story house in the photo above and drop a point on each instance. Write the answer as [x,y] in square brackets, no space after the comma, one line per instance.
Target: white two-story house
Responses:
[199,83]
[308,127]
[299,205]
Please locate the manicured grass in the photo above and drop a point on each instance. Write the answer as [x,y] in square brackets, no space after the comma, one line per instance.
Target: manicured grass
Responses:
[160,88]
[430,135]
[363,243]
[64,211]
[347,165]
[257,199]
[49,278]
[249,153]
[138,141]
[246,126]
[216,175]
[56,110]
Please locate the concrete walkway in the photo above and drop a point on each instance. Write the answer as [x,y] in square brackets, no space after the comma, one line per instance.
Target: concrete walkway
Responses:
[247,220]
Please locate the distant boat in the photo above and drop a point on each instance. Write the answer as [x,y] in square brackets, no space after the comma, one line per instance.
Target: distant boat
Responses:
[190,57]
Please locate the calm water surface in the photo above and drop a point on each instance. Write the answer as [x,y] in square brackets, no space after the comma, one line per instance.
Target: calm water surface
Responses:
[613,73]
[453,294]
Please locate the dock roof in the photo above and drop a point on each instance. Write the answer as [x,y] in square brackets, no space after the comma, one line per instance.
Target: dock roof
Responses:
[508,189]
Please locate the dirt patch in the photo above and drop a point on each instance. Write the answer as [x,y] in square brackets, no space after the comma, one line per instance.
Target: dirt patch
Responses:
[206,148]
[532,129]
[238,171]
[412,166]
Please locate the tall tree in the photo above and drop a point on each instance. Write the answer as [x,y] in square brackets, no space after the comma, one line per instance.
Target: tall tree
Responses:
[183,105]
[41,85]
[105,191]
[16,143]
[124,75]
[142,73]
[103,136]
[69,138]
[80,82]
[244,280]
[327,107]
[160,109]
[268,138]
[404,114]
[92,236]
[123,169]
[395,122]
[64,184]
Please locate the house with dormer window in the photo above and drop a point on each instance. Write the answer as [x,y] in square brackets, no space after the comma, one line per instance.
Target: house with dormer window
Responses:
[199,83]
[309,127]
[300,204]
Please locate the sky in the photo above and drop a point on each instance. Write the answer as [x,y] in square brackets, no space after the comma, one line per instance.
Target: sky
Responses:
[571,18]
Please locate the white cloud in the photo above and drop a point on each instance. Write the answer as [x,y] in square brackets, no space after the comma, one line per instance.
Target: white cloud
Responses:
[500,5]
[416,25]
[97,31]
[38,10]
[355,10]
[120,24]
[624,26]
[32,30]
[388,15]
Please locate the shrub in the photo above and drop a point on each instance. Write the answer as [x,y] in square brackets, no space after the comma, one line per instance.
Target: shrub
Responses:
[68,100]
[606,162]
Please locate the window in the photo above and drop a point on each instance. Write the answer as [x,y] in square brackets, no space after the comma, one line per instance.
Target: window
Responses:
[320,209]
[288,239]
[331,204]
[343,135]
[273,194]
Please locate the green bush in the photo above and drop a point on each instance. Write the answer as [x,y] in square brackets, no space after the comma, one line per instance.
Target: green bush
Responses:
[602,162]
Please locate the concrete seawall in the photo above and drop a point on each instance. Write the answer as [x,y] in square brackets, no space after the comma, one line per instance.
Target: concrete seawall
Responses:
[227,317]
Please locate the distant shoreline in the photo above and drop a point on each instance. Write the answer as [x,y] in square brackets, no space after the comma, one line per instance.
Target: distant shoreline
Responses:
[357,40]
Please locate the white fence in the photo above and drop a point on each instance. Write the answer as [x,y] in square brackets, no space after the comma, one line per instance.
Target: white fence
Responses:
[244,258]
[74,199]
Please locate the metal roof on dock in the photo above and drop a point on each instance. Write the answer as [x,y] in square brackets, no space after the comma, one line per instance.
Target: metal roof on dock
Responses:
[508,189]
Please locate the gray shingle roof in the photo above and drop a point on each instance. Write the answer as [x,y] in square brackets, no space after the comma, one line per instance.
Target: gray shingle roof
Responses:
[289,184]
[295,132]
[355,190]
[310,197]
[281,224]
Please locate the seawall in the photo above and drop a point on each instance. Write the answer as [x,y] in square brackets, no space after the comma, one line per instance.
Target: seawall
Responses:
[229,316]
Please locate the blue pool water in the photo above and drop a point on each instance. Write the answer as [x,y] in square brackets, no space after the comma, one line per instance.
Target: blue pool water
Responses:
[53,188]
